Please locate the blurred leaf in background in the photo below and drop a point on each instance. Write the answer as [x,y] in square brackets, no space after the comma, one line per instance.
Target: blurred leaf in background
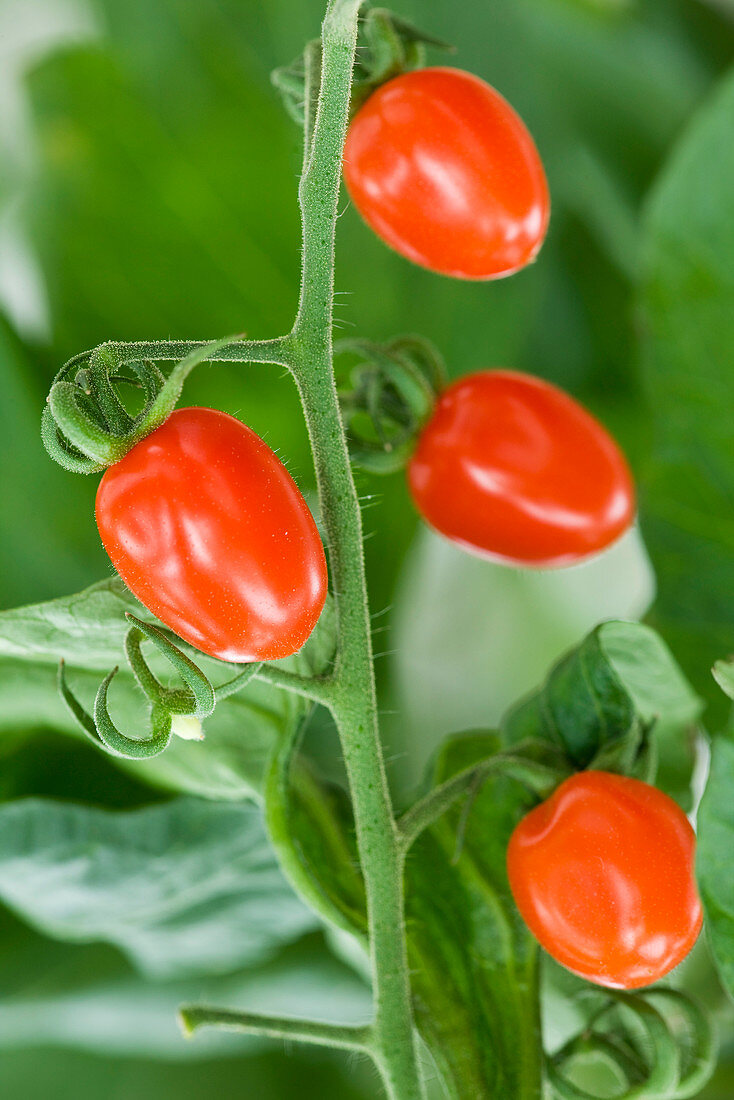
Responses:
[688,298]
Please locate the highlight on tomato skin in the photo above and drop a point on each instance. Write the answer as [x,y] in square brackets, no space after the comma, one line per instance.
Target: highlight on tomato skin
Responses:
[207,528]
[511,468]
[444,171]
[603,875]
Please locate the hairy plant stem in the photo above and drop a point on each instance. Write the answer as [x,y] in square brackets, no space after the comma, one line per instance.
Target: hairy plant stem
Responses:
[354,705]
[275,1027]
[307,351]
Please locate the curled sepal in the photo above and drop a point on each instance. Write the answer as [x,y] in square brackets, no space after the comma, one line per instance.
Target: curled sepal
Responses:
[76,422]
[660,1043]
[120,745]
[102,731]
[389,397]
[85,426]
[292,81]
[198,700]
[62,451]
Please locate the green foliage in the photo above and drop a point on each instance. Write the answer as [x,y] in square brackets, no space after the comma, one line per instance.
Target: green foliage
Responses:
[184,888]
[713,864]
[163,203]
[474,962]
[67,996]
[607,698]
[688,300]
[88,630]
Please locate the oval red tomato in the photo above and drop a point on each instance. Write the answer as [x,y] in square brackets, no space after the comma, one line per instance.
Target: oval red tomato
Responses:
[445,172]
[511,467]
[602,873]
[208,529]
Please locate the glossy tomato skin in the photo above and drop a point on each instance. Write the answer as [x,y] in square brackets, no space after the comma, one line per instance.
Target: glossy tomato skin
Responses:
[602,873]
[441,167]
[208,529]
[512,468]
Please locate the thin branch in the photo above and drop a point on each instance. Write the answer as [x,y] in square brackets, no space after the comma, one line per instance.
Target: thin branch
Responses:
[321,689]
[194,1017]
[243,351]
[541,778]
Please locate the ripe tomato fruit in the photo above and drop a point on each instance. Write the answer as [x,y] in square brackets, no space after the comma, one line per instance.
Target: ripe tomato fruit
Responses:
[511,467]
[208,529]
[446,173]
[602,873]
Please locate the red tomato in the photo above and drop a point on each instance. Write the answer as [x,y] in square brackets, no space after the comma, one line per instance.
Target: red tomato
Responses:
[511,467]
[208,529]
[602,873]
[445,172]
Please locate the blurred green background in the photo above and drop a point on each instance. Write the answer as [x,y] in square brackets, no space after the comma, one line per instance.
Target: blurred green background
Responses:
[147,190]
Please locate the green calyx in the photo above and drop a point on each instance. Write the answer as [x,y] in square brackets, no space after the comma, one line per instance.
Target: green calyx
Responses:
[387,46]
[196,700]
[390,395]
[85,426]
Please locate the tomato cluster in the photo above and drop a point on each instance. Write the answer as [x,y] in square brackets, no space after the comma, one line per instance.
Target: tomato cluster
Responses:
[602,873]
[207,528]
[510,467]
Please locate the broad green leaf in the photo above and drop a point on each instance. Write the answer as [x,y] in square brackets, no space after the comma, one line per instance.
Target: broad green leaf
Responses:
[598,700]
[188,887]
[89,998]
[474,963]
[715,827]
[688,315]
[87,630]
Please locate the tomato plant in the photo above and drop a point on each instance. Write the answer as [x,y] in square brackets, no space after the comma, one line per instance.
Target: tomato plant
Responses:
[510,466]
[602,872]
[208,529]
[559,822]
[444,171]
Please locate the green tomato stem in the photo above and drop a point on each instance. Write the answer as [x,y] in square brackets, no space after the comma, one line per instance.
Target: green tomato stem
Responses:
[275,1027]
[243,351]
[541,778]
[354,706]
[321,689]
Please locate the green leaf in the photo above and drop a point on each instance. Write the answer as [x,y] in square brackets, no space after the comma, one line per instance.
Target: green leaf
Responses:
[311,827]
[688,316]
[88,631]
[89,998]
[473,961]
[185,888]
[723,673]
[715,828]
[473,637]
[599,700]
